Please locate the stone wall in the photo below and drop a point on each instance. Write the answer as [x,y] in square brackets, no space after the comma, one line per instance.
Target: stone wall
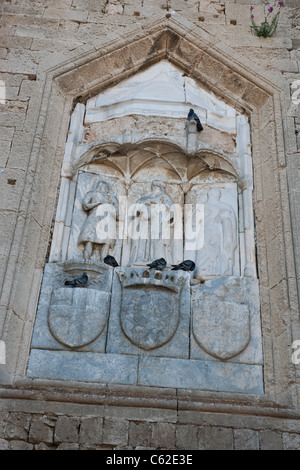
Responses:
[25,431]
[28,431]
[105,420]
[50,54]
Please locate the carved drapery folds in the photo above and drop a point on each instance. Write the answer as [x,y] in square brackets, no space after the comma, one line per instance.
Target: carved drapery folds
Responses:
[141,196]
[166,185]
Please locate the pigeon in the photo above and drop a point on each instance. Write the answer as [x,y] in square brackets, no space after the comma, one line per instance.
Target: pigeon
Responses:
[111,261]
[192,116]
[78,281]
[186,265]
[158,264]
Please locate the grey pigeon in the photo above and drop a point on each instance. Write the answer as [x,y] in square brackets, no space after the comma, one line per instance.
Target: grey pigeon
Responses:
[192,116]
[158,264]
[78,281]
[186,265]
[111,261]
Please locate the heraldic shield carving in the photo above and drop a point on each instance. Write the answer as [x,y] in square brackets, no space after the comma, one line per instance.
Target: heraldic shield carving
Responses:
[77,316]
[221,328]
[150,306]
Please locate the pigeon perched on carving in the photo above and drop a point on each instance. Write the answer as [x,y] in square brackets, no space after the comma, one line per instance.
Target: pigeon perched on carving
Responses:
[111,261]
[78,281]
[187,265]
[158,264]
[192,116]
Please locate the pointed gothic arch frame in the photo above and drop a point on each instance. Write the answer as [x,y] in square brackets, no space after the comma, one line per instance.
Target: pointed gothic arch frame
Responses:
[235,80]
[210,156]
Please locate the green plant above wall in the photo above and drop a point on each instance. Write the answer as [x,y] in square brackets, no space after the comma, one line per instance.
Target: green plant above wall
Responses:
[268,27]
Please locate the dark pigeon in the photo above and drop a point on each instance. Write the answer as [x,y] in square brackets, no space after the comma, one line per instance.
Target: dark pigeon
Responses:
[186,265]
[78,281]
[158,264]
[111,261]
[192,116]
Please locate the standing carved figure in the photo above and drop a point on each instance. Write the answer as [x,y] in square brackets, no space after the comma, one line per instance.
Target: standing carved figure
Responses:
[154,211]
[99,228]
[217,256]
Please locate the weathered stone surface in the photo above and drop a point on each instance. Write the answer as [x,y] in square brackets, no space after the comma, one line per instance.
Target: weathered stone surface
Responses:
[68,446]
[290,441]
[231,329]
[78,316]
[4,445]
[91,431]
[163,436]
[218,254]
[66,430]
[154,92]
[186,437]
[43,446]
[150,312]
[222,329]
[203,375]
[115,432]
[40,431]
[140,434]
[215,438]
[95,203]
[270,440]
[246,439]
[20,445]
[83,366]
[241,69]
[3,419]
[58,325]
[18,426]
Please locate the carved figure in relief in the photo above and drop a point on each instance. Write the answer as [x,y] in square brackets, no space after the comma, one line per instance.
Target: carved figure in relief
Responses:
[156,216]
[99,228]
[217,256]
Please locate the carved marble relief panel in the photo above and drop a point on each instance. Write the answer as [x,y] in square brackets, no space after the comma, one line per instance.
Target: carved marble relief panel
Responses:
[96,216]
[150,314]
[154,223]
[216,250]
[226,320]
[73,318]
[141,197]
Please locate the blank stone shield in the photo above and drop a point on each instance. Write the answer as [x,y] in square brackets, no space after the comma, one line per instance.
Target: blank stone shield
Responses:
[77,316]
[221,328]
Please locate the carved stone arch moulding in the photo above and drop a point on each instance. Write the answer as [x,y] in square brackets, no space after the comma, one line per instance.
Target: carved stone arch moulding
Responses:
[243,86]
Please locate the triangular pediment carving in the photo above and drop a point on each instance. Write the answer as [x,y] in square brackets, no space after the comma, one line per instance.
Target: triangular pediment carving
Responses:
[215,66]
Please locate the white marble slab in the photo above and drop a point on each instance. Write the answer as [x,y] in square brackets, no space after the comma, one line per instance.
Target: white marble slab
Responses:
[161,90]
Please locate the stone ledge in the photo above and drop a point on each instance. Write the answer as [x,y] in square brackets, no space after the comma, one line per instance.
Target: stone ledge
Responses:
[69,365]
[35,393]
[204,375]
[145,371]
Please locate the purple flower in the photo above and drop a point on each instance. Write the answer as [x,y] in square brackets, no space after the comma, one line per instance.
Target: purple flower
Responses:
[252,16]
[252,8]
[280,3]
[270,9]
